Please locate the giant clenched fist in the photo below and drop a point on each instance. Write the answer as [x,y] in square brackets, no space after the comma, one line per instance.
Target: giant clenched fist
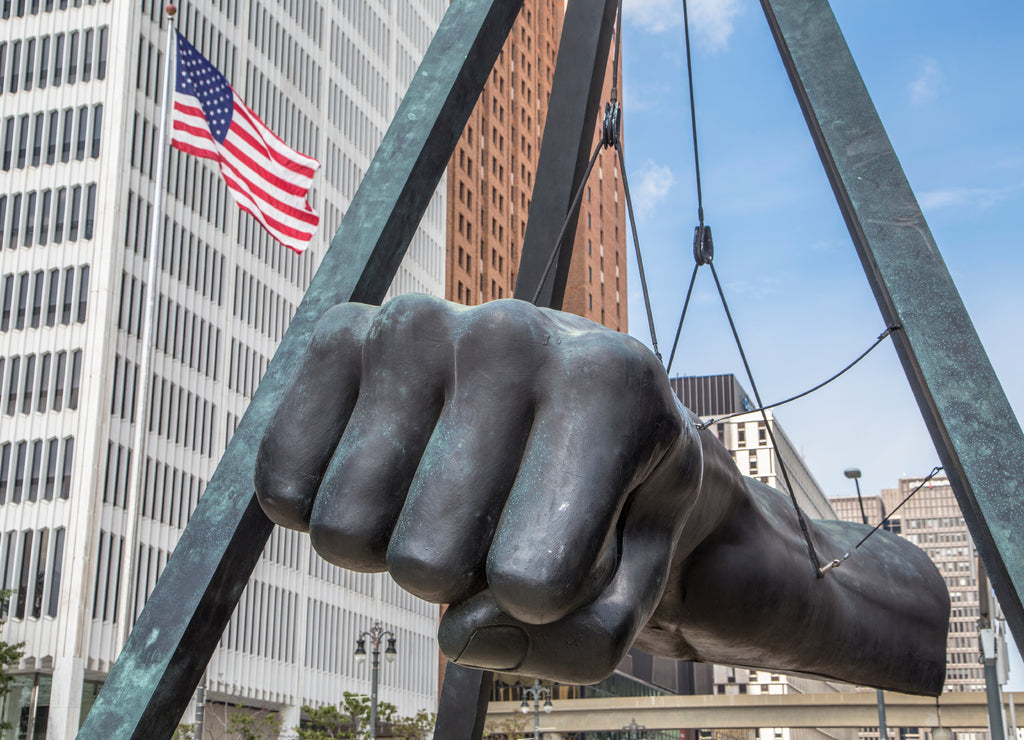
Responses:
[534,470]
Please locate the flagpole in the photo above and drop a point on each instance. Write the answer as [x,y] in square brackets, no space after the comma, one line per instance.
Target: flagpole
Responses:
[132,503]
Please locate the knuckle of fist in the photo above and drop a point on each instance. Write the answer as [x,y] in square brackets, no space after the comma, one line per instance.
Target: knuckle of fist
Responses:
[614,360]
[407,316]
[336,326]
[508,325]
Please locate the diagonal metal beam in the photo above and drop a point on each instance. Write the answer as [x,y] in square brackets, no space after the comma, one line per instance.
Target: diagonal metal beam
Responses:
[971,423]
[150,686]
[576,90]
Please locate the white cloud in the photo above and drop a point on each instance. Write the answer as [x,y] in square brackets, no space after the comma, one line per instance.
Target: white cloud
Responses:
[925,87]
[711,21]
[654,184]
[961,197]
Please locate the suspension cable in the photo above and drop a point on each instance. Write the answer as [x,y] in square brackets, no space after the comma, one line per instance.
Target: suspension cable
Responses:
[573,208]
[771,434]
[636,245]
[819,386]
[617,52]
[839,561]
[682,318]
[693,116]
[611,138]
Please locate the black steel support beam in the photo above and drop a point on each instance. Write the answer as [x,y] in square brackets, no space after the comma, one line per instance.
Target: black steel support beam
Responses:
[971,423]
[572,118]
[569,127]
[151,684]
[462,711]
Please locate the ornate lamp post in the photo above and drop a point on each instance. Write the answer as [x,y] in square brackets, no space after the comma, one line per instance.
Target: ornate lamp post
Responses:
[536,692]
[635,731]
[376,634]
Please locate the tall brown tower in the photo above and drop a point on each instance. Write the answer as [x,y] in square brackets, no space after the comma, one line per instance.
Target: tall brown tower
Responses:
[491,177]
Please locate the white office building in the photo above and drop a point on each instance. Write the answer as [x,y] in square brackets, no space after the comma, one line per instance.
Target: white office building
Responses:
[80,545]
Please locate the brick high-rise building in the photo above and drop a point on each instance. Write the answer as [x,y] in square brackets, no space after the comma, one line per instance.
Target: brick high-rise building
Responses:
[491,178]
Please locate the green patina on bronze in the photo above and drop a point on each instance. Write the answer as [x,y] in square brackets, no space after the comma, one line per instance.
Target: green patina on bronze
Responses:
[972,425]
[151,684]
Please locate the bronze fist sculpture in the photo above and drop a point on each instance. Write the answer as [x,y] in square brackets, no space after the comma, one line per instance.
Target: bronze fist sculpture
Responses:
[534,470]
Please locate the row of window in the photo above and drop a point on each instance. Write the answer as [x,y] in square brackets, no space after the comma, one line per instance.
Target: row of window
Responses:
[32,563]
[288,55]
[284,547]
[353,123]
[118,472]
[31,387]
[107,588]
[351,62]
[144,146]
[332,630]
[148,568]
[207,38]
[25,295]
[186,337]
[32,214]
[21,8]
[170,495]
[247,368]
[277,110]
[181,416]
[122,394]
[133,300]
[264,622]
[342,172]
[294,267]
[138,221]
[78,135]
[413,24]
[189,179]
[149,69]
[192,261]
[368,24]
[260,307]
[53,60]
[193,182]
[22,466]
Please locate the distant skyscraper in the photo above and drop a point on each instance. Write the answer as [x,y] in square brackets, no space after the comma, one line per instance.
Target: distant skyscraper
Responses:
[747,439]
[491,179]
[80,545]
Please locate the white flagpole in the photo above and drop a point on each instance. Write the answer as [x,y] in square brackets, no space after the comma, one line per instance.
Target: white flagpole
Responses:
[133,505]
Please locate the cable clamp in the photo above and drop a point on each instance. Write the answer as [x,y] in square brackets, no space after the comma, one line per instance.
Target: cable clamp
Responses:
[889,330]
[703,245]
[612,126]
[825,569]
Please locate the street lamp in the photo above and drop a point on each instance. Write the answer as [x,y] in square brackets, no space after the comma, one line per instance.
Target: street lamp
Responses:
[855,474]
[636,732]
[883,732]
[376,633]
[536,692]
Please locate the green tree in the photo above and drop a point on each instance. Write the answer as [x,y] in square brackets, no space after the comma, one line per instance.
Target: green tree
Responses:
[245,725]
[350,720]
[415,727]
[9,655]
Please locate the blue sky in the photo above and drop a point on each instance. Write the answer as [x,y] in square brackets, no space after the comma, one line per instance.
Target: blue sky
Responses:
[946,79]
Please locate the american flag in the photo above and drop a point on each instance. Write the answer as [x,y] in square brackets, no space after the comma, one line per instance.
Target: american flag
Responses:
[267,178]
